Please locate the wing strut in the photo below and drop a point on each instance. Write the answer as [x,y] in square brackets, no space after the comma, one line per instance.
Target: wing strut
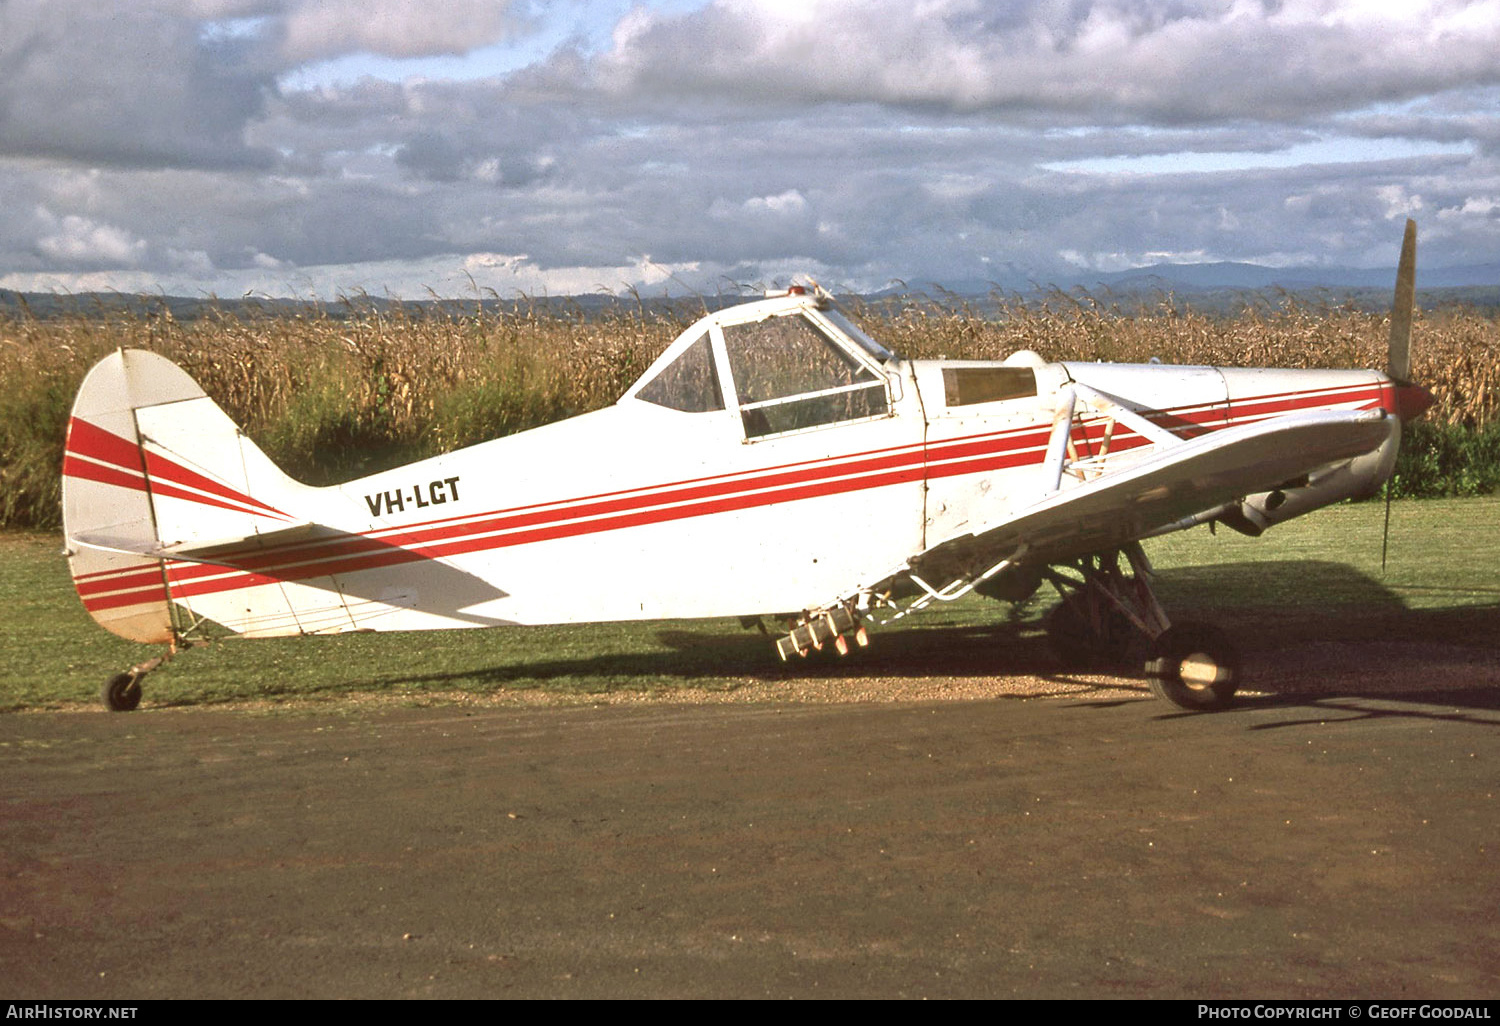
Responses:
[1061,457]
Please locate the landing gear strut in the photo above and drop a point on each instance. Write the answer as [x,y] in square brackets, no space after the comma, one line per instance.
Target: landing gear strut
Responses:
[1105,610]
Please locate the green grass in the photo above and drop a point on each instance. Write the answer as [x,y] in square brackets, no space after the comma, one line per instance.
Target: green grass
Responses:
[1442,553]
[1314,577]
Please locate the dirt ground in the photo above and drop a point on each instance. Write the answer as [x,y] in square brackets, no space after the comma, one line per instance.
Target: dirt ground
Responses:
[882,835]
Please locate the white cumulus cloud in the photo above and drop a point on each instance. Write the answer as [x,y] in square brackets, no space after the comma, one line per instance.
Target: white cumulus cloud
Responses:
[80,242]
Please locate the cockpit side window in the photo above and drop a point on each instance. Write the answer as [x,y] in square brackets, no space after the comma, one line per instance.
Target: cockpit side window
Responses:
[689,383]
[788,376]
[966,386]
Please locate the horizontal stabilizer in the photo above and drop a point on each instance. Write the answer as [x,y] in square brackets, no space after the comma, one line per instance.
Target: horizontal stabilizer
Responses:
[228,552]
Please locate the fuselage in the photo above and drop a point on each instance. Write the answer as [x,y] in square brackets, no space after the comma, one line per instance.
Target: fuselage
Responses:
[732,479]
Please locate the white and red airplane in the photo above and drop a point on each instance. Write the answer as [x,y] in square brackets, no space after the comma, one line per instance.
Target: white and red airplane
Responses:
[774,459]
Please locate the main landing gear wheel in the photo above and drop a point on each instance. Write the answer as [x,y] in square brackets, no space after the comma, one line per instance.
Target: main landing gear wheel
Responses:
[122,692]
[1194,666]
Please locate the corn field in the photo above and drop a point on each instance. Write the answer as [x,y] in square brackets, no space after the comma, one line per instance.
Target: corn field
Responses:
[332,394]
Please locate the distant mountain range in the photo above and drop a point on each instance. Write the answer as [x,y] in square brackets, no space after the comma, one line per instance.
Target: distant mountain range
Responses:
[1253,276]
[1222,276]
[1223,286]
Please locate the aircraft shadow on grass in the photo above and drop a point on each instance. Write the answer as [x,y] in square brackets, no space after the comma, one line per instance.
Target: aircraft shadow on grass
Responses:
[1302,627]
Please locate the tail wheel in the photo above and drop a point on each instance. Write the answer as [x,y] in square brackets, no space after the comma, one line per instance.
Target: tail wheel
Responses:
[122,692]
[1194,666]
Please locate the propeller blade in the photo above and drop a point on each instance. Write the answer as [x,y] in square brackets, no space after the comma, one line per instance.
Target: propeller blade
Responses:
[1402,306]
[1411,399]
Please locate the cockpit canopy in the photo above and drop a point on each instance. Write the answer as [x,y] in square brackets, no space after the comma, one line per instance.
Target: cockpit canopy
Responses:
[789,363]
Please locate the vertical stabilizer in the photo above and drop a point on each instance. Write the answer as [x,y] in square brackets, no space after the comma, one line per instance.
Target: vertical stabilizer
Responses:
[151,463]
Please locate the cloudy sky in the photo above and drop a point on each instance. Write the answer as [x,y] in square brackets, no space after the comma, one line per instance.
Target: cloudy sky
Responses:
[409,147]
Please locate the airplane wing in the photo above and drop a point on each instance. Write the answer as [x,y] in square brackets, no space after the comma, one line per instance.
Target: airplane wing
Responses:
[1181,480]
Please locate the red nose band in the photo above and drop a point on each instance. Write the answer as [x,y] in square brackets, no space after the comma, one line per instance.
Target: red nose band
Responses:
[1412,401]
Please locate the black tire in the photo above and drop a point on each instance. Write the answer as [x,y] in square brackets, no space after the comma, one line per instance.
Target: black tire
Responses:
[1074,641]
[122,692]
[1194,666]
